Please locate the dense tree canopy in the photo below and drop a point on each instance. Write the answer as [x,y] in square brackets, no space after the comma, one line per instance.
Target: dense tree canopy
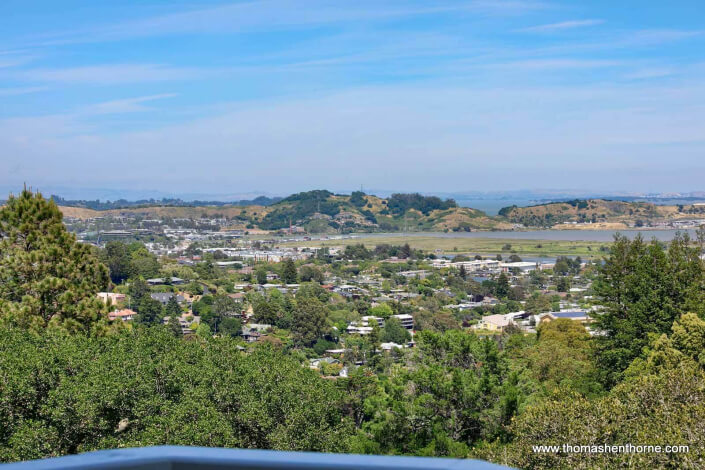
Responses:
[311,273]
[659,403]
[127,261]
[65,394]
[309,321]
[400,203]
[644,288]
[394,332]
[459,390]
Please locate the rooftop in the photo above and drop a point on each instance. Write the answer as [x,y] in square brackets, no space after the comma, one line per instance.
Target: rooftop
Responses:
[575,314]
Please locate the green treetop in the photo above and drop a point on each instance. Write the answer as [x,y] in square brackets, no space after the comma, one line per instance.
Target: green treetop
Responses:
[309,321]
[175,326]
[289,274]
[644,288]
[172,308]
[46,276]
[394,332]
[261,275]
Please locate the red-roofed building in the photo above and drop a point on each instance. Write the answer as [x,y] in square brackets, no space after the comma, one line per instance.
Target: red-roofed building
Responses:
[124,315]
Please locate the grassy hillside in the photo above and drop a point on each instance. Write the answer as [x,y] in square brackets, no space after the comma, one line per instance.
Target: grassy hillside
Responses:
[245,212]
[597,211]
[322,211]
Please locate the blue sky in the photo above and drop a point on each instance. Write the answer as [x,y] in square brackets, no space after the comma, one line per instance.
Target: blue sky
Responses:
[277,96]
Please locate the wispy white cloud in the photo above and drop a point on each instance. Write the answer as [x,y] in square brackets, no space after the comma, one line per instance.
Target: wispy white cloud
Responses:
[21,90]
[650,72]
[111,74]
[563,25]
[10,59]
[610,41]
[553,64]
[648,37]
[273,15]
[128,105]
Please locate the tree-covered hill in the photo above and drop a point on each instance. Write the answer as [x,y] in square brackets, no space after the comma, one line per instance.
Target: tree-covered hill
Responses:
[323,211]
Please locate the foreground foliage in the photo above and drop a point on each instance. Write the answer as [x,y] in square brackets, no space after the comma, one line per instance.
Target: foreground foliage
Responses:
[661,402]
[62,394]
[644,289]
[456,390]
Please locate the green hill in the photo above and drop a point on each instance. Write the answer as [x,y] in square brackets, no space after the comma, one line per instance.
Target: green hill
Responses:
[322,211]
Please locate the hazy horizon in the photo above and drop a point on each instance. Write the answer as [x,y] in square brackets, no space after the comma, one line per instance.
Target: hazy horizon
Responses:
[221,194]
[488,201]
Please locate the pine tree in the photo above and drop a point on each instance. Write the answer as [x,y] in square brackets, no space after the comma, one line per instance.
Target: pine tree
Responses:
[261,275]
[137,290]
[463,273]
[149,311]
[46,276]
[175,326]
[117,257]
[643,288]
[172,308]
[503,286]
[289,274]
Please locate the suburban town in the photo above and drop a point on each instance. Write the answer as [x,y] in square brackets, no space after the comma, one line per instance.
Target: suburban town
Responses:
[242,281]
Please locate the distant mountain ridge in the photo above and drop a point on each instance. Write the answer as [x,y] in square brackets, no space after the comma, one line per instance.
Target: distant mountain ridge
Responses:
[177,202]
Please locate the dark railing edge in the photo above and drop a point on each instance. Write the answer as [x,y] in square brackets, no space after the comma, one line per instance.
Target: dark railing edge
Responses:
[162,457]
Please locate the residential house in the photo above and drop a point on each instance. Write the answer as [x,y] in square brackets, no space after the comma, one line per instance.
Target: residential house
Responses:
[124,315]
[250,335]
[316,362]
[111,298]
[252,332]
[365,325]
[160,281]
[407,321]
[417,273]
[164,297]
[493,323]
[187,321]
[575,315]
